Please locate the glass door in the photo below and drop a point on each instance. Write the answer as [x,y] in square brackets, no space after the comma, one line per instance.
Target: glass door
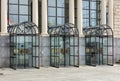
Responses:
[90,50]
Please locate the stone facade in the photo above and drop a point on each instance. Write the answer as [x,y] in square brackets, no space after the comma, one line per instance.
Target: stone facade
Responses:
[116,12]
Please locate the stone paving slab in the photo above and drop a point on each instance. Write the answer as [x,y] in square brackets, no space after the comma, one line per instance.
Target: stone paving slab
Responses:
[83,73]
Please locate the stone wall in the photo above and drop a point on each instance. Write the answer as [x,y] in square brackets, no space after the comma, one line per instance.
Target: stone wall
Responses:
[116,12]
[4,51]
[45,51]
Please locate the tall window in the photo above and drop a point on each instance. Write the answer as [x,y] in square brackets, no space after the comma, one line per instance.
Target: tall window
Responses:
[57,12]
[19,11]
[91,13]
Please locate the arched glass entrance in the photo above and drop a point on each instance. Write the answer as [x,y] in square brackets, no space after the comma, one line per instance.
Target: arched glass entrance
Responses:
[64,45]
[24,45]
[99,45]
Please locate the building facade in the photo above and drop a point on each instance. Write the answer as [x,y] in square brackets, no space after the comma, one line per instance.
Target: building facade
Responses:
[46,13]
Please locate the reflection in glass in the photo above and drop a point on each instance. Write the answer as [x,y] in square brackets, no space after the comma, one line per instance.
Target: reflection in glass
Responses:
[23,10]
[51,2]
[13,9]
[19,11]
[13,1]
[60,3]
[23,1]
[51,11]
[23,18]
[60,21]
[13,19]
[60,11]
[51,21]
[91,12]
[56,12]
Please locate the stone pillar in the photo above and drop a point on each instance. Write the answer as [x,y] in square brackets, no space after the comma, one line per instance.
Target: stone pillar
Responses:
[71,11]
[44,17]
[110,13]
[79,17]
[103,11]
[3,16]
[35,11]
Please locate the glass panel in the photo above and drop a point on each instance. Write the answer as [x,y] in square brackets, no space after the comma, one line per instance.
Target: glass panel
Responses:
[85,5]
[13,1]
[23,10]
[92,5]
[93,22]
[13,9]
[23,18]
[93,14]
[60,21]
[13,19]
[51,11]
[85,14]
[60,3]
[23,1]
[51,2]
[51,21]
[85,22]
[60,12]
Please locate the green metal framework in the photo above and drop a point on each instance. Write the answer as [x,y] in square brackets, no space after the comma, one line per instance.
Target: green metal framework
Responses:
[99,45]
[64,45]
[24,45]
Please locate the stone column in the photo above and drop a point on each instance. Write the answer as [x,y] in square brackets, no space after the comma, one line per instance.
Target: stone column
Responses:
[79,17]
[35,11]
[71,11]
[103,11]
[110,13]
[3,16]
[44,17]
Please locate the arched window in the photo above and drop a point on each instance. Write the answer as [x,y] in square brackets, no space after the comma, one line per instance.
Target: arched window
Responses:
[19,11]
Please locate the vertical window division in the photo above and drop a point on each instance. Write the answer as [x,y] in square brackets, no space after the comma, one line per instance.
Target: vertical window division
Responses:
[19,11]
[57,12]
[91,13]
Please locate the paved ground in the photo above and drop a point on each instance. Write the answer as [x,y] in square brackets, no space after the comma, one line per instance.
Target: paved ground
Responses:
[83,73]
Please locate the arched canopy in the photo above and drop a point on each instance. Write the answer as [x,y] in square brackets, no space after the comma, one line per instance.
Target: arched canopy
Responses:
[99,45]
[23,28]
[66,29]
[101,30]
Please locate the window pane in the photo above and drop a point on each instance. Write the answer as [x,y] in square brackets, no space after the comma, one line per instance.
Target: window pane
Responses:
[60,3]
[13,9]
[85,13]
[93,22]
[92,5]
[23,18]
[13,19]
[85,22]
[51,2]
[23,1]
[60,12]
[51,11]
[85,5]
[51,21]
[93,14]
[13,1]
[60,21]
[23,9]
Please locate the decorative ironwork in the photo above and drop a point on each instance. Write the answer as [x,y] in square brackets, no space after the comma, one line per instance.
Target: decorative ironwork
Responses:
[24,45]
[64,45]
[99,45]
